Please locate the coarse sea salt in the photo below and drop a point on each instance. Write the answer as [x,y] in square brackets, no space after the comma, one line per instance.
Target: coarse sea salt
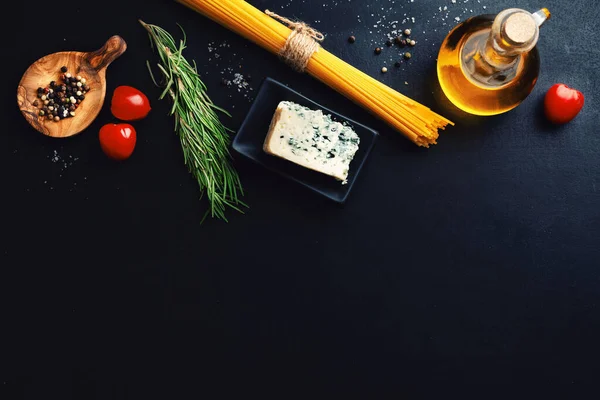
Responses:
[231,77]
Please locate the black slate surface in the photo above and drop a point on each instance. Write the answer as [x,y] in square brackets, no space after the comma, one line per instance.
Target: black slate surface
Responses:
[474,263]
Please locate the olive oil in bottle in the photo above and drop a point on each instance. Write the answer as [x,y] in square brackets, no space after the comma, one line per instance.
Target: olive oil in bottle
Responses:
[489,64]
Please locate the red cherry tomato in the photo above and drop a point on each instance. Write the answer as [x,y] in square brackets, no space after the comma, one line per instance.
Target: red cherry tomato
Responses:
[129,104]
[562,103]
[117,140]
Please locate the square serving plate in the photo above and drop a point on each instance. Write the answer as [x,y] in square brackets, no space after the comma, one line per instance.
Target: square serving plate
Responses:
[251,136]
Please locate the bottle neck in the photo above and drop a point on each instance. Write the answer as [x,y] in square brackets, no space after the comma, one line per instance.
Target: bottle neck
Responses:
[514,32]
[495,57]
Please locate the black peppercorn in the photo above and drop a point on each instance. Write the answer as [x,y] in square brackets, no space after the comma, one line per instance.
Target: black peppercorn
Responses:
[64,69]
[86,88]
[397,64]
[388,43]
[82,97]
[378,50]
[352,39]
[36,103]
[71,108]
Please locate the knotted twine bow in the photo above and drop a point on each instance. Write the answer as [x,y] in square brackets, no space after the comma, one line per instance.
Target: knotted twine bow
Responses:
[300,45]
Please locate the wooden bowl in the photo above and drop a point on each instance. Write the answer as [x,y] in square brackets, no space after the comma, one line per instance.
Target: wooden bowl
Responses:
[90,65]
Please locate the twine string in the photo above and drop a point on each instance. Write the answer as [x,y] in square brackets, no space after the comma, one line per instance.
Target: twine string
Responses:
[300,45]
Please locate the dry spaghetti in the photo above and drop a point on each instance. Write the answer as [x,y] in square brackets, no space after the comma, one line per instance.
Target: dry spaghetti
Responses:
[417,122]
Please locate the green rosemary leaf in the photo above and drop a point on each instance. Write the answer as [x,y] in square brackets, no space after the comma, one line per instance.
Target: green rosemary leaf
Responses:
[204,139]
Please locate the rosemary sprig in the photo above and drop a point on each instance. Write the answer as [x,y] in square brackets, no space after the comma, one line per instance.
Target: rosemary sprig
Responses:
[204,139]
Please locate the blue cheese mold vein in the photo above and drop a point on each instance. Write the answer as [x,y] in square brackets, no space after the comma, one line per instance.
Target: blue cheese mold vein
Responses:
[312,139]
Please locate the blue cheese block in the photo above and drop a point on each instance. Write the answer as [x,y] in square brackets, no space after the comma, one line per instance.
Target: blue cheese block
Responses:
[311,139]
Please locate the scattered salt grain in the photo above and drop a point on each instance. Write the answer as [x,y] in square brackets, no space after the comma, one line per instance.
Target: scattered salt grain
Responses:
[230,77]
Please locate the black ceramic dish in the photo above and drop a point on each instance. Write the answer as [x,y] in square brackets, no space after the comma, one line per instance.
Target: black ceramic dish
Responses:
[251,136]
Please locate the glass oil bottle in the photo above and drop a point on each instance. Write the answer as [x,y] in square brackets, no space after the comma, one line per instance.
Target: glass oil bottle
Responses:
[489,64]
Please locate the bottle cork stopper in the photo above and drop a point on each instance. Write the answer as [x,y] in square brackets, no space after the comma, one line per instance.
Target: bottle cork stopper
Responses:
[520,28]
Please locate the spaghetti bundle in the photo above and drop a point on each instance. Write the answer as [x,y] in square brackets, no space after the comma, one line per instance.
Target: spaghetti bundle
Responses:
[417,122]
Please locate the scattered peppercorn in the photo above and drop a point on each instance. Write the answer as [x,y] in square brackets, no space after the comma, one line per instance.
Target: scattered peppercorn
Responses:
[36,103]
[384,70]
[352,39]
[63,69]
[412,42]
[407,32]
[378,50]
[388,43]
[407,55]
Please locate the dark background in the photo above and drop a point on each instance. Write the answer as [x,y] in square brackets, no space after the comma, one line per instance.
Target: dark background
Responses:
[474,263]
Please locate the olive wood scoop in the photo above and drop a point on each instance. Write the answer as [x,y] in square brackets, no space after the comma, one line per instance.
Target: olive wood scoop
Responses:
[89,65]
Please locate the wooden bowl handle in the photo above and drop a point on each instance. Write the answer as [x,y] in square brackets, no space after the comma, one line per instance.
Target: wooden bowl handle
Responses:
[112,49]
